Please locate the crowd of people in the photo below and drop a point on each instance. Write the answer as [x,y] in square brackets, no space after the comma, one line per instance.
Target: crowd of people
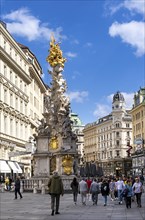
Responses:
[118,188]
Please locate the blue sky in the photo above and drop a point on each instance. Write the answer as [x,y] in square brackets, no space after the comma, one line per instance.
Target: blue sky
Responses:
[103,42]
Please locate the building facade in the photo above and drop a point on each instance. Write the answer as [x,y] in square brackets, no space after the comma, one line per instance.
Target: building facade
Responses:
[138,121]
[106,141]
[21,100]
[78,128]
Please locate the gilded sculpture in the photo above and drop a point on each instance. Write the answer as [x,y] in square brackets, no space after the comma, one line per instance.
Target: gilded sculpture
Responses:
[67,162]
[55,56]
[53,143]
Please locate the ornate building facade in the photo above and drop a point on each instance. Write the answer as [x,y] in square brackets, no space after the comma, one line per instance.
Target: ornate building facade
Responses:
[106,141]
[78,128]
[21,100]
[138,121]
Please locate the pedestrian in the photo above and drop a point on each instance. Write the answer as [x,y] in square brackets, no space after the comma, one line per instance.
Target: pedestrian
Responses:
[94,190]
[88,181]
[83,189]
[75,187]
[129,193]
[137,189]
[7,183]
[120,186]
[112,189]
[105,190]
[55,185]
[17,187]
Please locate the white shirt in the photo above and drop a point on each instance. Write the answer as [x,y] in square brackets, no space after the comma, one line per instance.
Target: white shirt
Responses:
[137,187]
[120,184]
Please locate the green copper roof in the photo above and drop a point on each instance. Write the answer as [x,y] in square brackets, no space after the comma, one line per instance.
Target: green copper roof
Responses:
[76,120]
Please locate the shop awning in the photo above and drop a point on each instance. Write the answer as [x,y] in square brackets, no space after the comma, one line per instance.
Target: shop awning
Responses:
[4,168]
[13,167]
[18,167]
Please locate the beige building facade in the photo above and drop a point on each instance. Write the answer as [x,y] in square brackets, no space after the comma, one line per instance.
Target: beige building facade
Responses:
[138,122]
[106,140]
[21,101]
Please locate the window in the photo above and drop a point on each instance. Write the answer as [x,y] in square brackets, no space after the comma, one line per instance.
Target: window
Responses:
[4,45]
[117,134]
[16,104]
[5,95]
[5,124]
[16,80]
[21,85]
[16,128]
[117,143]
[25,88]
[117,125]
[11,76]
[11,126]
[21,106]
[11,99]
[117,153]
[127,125]
[10,51]
[5,71]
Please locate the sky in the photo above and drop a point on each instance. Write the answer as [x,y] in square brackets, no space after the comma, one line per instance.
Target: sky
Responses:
[103,41]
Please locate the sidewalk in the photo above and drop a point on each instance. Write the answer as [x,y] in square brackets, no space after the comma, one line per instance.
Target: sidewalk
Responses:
[37,207]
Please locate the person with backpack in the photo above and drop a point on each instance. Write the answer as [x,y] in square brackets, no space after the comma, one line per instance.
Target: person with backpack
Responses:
[127,193]
[105,190]
[94,190]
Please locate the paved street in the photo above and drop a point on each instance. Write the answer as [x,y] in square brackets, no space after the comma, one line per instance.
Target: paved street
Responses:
[37,207]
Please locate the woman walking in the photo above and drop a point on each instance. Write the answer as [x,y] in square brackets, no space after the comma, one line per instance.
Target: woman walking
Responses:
[129,193]
[137,188]
[75,185]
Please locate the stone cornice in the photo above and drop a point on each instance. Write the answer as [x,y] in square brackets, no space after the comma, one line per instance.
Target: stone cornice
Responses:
[7,59]
[13,88]
[12,112]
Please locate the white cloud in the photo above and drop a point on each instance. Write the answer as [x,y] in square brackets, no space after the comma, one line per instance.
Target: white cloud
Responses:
[132,33]
[104,109]
[75,41]
[78,96]
[71,55]
[137,6]
[23,23]
[134,6]
[88,44]
[75,74]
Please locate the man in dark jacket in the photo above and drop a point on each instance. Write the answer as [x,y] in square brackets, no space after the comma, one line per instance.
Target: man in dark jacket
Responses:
[105,190]
[55,189]
[17,187]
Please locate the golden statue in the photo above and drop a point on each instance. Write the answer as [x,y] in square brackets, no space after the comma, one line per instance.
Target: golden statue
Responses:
[55,54]
[53,143]
[67,163]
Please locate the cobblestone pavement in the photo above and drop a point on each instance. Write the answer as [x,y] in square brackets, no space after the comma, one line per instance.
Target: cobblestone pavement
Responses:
[37,207]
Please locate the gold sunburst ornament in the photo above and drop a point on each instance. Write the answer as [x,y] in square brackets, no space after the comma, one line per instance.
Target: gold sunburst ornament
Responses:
[53,143]
[55,56]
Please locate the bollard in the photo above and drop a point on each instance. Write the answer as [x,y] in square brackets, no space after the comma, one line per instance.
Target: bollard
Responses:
[43,188]
[2,187]
[22,187]
[35,188]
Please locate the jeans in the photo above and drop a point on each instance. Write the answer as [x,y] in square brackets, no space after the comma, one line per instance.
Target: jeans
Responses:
[95,197]
[120,195]
[105,199]
[75,194]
